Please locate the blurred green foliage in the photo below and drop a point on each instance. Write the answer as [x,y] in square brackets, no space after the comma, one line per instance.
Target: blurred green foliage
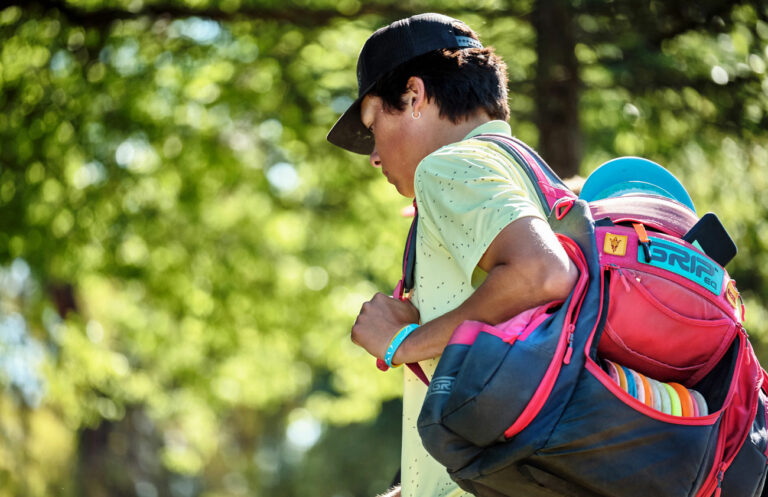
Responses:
[183,254]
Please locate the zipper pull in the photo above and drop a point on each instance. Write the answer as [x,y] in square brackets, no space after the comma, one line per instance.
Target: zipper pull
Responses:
[719,481]
[569,351]
[623,279]
[643,241]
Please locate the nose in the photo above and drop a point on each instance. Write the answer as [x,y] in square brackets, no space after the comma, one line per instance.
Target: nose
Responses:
[375,158]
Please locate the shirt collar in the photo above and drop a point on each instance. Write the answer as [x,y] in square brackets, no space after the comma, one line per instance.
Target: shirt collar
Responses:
[496,126]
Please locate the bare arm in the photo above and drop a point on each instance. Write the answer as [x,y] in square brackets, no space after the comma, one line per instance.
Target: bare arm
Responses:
[526,267]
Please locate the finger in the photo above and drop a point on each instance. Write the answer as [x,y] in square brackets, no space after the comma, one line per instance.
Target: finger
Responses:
[381,296]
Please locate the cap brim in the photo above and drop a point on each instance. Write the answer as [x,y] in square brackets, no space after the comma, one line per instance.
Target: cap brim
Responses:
[349,132]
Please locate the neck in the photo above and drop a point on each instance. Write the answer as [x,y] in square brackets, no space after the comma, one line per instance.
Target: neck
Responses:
[457,132]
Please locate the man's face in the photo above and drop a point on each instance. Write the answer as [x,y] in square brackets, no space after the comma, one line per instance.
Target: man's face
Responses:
[397,150]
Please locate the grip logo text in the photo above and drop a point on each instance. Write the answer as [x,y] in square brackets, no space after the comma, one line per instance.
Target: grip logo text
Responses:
[684,262]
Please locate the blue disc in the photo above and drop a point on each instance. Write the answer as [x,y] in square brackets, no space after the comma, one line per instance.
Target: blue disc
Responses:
[631,387]
[631,175]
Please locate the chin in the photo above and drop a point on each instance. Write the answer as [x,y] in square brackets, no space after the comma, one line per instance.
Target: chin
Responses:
[404,192]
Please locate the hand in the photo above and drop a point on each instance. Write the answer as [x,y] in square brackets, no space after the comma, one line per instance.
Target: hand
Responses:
[379,320]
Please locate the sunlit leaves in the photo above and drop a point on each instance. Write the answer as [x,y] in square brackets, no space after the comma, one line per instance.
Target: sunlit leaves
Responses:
[173,170]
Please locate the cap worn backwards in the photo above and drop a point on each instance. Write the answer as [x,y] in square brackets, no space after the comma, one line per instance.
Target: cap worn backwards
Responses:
[384,50]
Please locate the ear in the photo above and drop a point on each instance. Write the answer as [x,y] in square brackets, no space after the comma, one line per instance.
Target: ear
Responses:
[415,95]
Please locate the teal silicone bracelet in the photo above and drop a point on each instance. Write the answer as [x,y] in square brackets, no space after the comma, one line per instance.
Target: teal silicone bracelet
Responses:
[397,341]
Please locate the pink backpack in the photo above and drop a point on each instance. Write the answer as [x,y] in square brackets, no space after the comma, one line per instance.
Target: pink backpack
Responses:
[560,400]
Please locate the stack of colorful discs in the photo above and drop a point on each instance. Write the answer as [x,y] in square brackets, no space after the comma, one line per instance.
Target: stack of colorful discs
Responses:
[670,398]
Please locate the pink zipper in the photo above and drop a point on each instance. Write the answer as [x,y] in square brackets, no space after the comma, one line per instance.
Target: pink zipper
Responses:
[653,300]
[569,350]
[564,347]
[765,410]
[715,477]
[623,277]
[720,473]
[684,282]
[714,480]
[588,345]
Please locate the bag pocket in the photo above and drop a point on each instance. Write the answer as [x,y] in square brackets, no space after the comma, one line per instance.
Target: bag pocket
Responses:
[448,448]
[528,481]
[663,329]
[497,381]
[745,476]
[611,443]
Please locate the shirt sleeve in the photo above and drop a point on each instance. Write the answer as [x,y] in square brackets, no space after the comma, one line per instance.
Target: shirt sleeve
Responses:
[467,193]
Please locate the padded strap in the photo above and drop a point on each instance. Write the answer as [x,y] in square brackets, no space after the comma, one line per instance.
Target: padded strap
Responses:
[549,187]
[659,213]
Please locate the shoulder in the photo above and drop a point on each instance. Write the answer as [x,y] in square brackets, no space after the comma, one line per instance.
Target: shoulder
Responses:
[466,158]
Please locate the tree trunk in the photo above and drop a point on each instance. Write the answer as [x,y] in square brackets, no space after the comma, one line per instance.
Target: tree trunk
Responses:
[117,456]
[557,86]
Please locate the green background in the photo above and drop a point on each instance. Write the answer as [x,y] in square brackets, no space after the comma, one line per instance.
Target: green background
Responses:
[182,254]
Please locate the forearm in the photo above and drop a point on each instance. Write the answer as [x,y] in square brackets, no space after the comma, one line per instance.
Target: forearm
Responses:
[504,294]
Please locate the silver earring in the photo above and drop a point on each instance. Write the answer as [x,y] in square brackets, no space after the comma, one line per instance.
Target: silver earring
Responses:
[415,116]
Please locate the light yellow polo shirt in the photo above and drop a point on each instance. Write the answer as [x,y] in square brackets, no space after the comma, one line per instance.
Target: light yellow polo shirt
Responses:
[466,193]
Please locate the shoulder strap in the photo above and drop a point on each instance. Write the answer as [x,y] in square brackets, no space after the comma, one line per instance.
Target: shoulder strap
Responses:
[407,282]
[405,285]
[549,186]
[409,258]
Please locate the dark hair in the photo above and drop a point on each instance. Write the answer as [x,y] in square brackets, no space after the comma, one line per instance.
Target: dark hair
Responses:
[461,81]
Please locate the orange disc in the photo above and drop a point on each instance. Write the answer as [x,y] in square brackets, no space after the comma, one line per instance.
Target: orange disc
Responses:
[622,379]
[648,391]
[686,402]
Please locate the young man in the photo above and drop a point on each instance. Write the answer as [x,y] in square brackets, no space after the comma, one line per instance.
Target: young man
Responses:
[484,250]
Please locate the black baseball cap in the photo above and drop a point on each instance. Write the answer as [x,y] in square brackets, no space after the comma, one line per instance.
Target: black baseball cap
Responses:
[384,50]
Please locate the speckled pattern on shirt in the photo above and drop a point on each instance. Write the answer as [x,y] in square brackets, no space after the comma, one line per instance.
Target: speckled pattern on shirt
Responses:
[466,192]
